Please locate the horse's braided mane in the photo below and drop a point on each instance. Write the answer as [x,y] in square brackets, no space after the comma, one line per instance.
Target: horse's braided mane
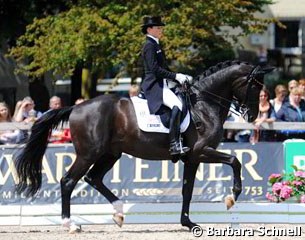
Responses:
[218,67]
[198,115]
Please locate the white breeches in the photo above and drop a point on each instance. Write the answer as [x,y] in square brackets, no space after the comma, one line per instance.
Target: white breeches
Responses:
[169,97]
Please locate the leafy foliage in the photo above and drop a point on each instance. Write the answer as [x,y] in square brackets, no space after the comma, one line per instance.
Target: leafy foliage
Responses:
[99,34]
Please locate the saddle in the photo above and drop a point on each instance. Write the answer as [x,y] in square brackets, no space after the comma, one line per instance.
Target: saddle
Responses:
[157,123]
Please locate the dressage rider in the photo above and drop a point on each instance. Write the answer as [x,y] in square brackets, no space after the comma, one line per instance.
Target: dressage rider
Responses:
[155,81]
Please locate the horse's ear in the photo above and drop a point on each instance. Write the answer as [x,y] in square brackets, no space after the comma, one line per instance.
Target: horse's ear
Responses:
[266,69]
[260,71]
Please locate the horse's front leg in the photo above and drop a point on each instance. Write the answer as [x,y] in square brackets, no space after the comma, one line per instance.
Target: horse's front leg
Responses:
[189,174]
[210,155]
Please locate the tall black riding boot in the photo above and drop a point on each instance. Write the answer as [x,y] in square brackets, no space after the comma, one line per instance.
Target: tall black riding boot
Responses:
[176,147]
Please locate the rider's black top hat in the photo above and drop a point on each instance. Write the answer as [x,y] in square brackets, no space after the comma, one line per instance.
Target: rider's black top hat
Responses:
[150,21]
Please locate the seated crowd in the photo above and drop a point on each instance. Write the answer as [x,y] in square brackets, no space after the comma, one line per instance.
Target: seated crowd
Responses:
[25,112]
[288,105]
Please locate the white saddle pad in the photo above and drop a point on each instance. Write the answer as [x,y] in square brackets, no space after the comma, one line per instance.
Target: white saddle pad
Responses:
[152,123]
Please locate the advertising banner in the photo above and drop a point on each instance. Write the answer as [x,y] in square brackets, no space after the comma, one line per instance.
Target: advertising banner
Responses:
[294,152]
[138,180]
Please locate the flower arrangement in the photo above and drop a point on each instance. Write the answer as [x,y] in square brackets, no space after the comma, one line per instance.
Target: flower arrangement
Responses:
[285,186]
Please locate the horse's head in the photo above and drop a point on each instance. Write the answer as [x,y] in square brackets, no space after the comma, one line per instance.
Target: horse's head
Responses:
[248,88]
[217,86]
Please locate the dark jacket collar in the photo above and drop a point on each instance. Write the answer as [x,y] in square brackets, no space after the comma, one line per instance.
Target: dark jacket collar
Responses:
[151,39]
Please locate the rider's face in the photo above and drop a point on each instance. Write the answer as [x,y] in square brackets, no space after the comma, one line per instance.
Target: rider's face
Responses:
[155,31]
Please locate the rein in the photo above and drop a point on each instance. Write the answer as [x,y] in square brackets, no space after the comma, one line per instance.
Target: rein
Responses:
[241,108]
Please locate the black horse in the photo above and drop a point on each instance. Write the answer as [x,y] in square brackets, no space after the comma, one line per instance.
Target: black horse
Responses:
[106,126]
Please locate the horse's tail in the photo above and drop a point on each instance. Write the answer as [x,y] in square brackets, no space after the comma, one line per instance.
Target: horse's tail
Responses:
[29,161]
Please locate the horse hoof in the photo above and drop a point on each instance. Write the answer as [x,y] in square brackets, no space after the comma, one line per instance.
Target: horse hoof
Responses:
[75,229]
[118,218]
[189,226]
[229,201]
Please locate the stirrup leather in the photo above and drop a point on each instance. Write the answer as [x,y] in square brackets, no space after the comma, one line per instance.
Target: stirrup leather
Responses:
[177,148]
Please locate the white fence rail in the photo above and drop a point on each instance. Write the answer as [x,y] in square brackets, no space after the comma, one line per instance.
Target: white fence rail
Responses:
[266,126]
[227,125]
[15,126]
[203,213]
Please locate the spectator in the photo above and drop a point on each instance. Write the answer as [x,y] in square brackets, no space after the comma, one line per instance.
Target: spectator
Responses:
[58,135]
[292,111]
[266,114]
[62,135]
[25,111]
[302,92]
[292,84]
[280,94]
[302,87]
[17,107]
[55,102]
[133,90]
[8,136]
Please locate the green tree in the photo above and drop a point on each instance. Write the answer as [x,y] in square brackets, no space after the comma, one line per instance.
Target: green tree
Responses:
[98,35]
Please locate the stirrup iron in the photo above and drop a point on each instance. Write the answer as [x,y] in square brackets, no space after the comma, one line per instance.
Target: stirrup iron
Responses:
[183,150]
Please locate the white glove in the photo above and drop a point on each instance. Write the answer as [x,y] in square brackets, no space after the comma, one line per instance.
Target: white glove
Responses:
[181,78]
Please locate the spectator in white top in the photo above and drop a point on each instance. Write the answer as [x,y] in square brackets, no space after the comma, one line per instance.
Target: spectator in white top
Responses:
[280,94]
[26,111]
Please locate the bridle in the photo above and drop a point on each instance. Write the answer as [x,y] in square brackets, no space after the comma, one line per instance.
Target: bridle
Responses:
[241,108]
[251,80]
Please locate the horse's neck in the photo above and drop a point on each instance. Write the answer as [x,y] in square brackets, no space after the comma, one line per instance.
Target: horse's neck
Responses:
[209,112]
[216,93]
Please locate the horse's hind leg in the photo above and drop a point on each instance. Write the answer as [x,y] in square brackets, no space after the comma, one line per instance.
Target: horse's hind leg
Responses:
[189,174]
[95,178]
[67,183]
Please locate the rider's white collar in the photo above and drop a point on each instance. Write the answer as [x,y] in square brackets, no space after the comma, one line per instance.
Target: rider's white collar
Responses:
[156,39]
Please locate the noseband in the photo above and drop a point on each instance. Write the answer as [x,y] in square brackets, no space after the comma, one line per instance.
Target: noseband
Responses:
[250,81]
[243,109]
